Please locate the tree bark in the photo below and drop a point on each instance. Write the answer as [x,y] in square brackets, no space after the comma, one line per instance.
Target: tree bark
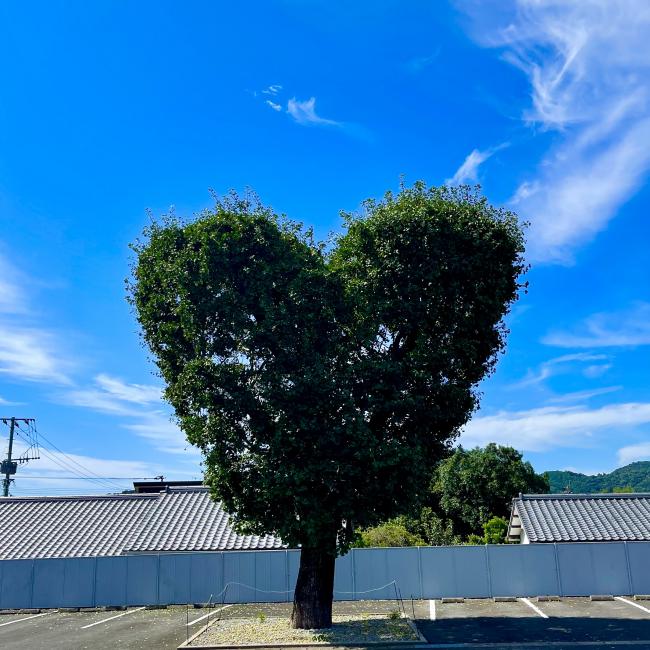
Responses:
[312,600]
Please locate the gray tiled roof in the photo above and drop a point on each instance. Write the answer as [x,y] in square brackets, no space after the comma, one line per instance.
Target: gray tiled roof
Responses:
[583,517]
[182,519]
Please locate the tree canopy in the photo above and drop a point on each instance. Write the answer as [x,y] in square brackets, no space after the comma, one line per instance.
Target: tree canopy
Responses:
[472,486]
[321,384]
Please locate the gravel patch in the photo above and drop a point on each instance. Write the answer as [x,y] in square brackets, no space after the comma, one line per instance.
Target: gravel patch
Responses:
[274,630]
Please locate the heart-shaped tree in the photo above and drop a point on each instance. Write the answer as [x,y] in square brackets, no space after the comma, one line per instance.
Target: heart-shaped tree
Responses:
[323,384]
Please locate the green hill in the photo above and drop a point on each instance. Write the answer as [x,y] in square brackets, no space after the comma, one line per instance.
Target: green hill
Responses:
[635,476]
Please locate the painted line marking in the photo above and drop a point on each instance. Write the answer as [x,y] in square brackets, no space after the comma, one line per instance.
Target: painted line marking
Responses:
[27,618]
[535,645]
[631,602]
[111,618]
[214,611]
[536,609]
[432,610]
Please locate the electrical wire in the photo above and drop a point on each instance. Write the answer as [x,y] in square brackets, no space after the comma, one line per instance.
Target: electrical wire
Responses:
[85,471]
[89,478]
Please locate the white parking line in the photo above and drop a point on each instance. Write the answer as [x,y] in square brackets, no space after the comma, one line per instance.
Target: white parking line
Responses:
[196,620]
[105,620]
[631,602]
[536,609]
[432,610]
[27,618]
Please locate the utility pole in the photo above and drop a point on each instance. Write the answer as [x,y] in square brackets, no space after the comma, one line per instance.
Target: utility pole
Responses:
[9,466]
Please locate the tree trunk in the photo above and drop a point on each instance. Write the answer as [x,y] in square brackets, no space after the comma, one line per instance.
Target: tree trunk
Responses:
[312,600]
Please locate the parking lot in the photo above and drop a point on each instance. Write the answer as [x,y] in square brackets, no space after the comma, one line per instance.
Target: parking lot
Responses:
[565,623]
[139,629]
[527,623]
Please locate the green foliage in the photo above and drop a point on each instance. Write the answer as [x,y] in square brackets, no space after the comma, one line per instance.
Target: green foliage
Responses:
[471,486]
[635,476]
[495,530]
[322,386]
[395,615]
[623,490]
[391,533]
[261,617]
[436,530]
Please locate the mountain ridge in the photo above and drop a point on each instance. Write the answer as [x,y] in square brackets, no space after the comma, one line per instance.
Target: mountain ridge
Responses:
[635,476]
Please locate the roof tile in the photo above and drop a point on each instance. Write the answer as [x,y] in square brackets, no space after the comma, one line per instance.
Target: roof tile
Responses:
[179,520]
[584,517]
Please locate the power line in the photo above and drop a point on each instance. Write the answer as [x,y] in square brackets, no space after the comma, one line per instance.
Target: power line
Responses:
[63,464]
[88,472]
[9,466]
[90,478]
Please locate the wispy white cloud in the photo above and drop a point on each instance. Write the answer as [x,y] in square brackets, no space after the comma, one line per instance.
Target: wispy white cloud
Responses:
[135,393]
[32,354]
[555,366]
[632,453]
[28,352]
[273,105]
[305,113]
[588,64]
[583,395]
[551,427]
[468,171]
[596,370]
[273,89]
[578,191]
[419,63]
[157,427]
[139,404]
[12,297]
[112,396]
[617,329]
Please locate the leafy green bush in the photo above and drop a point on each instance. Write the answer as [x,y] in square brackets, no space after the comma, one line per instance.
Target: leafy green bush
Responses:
[495,531]
[391,533]
[436,530]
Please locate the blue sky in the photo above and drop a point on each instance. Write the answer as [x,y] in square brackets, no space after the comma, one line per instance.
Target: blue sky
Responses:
[108,109]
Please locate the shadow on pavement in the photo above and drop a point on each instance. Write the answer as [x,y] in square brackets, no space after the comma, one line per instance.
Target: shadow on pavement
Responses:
[494,629]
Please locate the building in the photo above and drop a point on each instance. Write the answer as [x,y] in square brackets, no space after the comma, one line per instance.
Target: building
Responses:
[174,520]
[547,518]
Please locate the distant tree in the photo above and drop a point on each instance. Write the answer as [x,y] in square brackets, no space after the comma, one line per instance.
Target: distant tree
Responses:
[436,530]
[495,530]
[322,385]
[472,486]
[391,533]
[623,490]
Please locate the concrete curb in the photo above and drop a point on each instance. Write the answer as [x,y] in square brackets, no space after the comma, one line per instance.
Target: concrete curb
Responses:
[422,643]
